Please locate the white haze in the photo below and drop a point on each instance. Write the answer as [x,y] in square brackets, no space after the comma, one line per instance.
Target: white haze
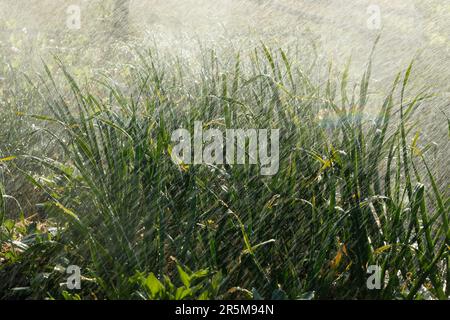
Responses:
[334,30]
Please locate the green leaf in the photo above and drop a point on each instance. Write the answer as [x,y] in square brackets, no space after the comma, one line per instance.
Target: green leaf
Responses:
[184,277]
[200,274]
[216,280]
[204,295]
[9,224]
[154,285]
[181,293]
[7,159]
[382,249]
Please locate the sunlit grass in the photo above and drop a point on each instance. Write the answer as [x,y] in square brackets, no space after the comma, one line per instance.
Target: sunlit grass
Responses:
[351,191]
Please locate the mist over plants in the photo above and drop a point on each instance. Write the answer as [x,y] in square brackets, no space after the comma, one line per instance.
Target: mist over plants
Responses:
[224,149]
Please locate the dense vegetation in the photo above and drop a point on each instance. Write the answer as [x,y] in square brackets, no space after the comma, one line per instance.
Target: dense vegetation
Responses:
[87,179]
[352,191]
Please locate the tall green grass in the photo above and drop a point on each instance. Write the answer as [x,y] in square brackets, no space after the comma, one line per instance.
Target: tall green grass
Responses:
[352,190]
